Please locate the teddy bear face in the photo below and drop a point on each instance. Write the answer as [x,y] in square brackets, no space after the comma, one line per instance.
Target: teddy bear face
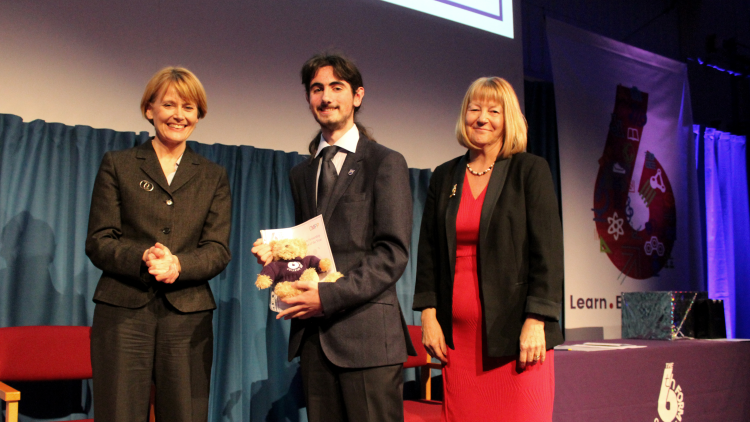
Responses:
[287,249]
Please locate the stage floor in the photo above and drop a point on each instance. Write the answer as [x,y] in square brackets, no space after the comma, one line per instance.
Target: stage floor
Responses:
[683,380]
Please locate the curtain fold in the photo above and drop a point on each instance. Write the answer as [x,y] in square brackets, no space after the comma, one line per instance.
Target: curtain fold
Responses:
[727,225]
[47,172]
[541,116]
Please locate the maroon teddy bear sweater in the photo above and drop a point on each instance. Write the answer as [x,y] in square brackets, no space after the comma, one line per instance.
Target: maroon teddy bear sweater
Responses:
[290,270]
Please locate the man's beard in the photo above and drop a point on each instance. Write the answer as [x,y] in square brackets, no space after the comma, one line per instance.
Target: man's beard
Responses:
[333,125]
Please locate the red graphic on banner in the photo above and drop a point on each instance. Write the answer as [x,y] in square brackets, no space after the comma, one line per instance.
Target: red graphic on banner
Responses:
[639,245]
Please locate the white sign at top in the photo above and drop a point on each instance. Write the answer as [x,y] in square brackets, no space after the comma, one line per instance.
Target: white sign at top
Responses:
[494,16]
[487,6]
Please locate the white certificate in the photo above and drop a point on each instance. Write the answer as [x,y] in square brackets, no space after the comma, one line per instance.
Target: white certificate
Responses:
[313,232]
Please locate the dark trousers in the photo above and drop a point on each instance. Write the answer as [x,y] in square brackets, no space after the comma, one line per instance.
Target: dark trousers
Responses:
[132,347]
[336,394]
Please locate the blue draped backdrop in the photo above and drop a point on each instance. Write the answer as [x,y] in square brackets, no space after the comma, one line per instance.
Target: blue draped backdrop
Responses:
[47,173]
[727,224]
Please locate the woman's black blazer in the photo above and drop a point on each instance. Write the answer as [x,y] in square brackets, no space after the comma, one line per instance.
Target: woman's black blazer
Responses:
[133,207]
[520,251]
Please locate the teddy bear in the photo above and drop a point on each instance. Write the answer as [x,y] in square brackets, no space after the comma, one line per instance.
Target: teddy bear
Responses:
[291,263]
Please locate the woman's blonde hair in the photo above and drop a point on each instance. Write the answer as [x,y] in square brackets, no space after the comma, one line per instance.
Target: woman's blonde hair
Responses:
[496,90]
[184,81]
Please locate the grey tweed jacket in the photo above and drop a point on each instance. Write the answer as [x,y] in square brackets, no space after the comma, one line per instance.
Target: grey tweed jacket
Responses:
[369,222]
[133,207]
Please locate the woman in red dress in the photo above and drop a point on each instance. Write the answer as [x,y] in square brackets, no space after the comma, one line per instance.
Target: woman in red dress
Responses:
[490,267]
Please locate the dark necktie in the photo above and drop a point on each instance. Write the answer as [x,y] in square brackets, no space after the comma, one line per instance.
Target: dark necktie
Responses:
[327,178]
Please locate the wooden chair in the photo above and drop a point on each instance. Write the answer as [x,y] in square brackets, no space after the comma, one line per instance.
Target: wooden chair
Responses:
[425,409]
[43,353]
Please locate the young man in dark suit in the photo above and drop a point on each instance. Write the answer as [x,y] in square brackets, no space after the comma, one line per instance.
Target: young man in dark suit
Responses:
[350,335]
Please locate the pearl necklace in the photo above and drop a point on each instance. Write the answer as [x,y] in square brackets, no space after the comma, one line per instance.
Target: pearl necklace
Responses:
[479,173]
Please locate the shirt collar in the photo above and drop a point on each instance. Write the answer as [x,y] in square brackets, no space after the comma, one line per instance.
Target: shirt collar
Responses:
[348,141]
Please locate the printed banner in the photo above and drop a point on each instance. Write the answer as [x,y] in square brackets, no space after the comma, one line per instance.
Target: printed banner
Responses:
[627,175]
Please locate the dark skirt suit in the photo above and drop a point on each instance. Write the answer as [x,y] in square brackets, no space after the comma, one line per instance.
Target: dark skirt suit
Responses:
[520,251]
[144,329]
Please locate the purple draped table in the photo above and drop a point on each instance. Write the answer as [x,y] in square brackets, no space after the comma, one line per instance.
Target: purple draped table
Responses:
[683,380]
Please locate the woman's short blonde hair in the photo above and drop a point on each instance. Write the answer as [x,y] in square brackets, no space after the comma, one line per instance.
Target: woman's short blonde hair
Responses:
[500,91]
[184,81]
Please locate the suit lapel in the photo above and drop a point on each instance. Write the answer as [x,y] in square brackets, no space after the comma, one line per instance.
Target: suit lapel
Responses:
[494,189]
[188,168]
[451,212]
[151,166]
[311,178]
[348,172]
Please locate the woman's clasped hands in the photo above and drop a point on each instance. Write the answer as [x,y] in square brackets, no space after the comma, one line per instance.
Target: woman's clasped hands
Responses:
[164,266]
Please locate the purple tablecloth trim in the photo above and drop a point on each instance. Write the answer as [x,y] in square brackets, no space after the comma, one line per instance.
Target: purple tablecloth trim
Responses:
[624,385]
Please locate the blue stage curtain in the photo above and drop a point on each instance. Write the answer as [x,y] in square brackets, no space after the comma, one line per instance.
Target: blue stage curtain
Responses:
[541,116]
[727,225]
[46,178]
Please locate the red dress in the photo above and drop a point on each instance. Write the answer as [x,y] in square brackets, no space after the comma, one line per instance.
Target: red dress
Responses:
[470,392]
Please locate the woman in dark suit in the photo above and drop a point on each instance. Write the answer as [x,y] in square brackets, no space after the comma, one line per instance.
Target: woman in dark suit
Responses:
[490,266]
[159,230]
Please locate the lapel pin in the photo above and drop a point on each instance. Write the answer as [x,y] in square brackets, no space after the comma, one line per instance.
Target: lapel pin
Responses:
[351,172]
[453,192]
[146,185]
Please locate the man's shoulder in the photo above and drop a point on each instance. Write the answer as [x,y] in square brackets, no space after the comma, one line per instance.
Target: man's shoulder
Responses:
[299,168]
[376,152]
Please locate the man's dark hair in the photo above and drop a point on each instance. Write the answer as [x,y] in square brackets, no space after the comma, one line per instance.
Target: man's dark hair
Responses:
[343,69]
